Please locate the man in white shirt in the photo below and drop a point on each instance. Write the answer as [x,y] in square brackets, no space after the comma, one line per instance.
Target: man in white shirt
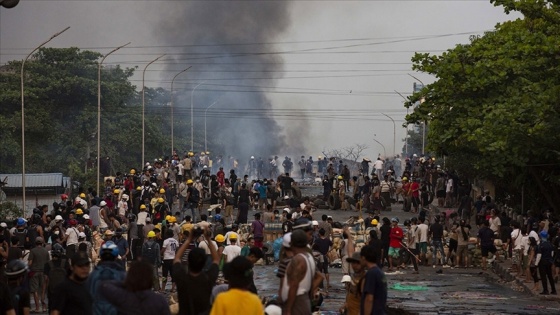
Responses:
[378,165]
[170,246]
[422,239]
[233,250]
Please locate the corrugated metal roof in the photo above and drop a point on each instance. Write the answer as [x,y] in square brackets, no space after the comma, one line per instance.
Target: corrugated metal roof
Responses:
[33,180]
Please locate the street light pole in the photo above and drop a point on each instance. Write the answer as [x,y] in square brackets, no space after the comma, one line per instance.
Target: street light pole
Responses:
[172,116]
[99,112]
[192,120]
[406,134]
[394,132]
[381,144]
[23,115]
[143,105]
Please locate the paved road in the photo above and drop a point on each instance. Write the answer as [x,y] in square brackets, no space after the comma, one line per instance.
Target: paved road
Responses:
[454,291]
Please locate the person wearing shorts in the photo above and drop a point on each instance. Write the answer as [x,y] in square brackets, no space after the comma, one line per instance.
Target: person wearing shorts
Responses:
[170,246]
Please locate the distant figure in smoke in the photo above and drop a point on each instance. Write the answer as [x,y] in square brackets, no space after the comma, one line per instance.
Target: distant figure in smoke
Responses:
[309,167]
[302,163]
[252,166]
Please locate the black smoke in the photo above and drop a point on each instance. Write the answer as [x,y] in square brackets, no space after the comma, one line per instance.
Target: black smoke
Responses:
[228,40]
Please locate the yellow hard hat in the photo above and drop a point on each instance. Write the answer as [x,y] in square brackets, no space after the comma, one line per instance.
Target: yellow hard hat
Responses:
[404,178]
[138,188]
[191,154]
[82,195]
[340,177]
[162,191]
[160,200]
[374,222]
[79,211]
[151,234]
[142,207]
[172,219]
[233,236]
[116,191]
[167,217]
[189,181]
[220,238]
[132,171]
[207,152]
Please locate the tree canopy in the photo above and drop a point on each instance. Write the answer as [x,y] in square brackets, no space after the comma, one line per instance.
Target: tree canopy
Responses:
[61,115]
[495,103]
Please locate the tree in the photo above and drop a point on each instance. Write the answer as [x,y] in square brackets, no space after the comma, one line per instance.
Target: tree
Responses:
[494,102]
[61,115]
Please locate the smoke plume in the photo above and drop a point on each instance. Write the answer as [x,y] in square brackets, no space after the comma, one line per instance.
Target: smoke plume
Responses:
[229,40]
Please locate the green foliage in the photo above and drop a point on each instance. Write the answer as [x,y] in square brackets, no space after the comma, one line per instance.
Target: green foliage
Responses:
[9,211]
[61,116]
[495,102]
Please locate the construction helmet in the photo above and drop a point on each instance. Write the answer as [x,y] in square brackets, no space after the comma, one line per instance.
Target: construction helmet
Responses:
[233,236]
[151,234]
[374,222]
[172,219]
[162,191]
[404,178]
[116,191]
[142,207]
[132,171]
[160,200]
[220,238]
[138,188]
[82,195]
[340,177]
[189,181]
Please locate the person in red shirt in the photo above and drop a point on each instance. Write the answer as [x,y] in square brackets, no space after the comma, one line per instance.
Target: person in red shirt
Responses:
[406,196]
[395,238]
[221,176]
[414,192]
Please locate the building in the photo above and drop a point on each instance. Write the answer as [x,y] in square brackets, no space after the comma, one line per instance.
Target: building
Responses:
[40,189]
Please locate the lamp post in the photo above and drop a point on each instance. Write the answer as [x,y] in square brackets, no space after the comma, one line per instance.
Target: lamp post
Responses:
[192,120]
[143,105]
[23,115]
[99,111]
[381,144]
[172,117]
[205,111]
[394,132]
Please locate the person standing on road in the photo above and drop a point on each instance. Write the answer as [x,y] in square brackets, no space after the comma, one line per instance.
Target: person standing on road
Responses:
[422,238]
[299,278]
[412,241]
[486,243]
[374,293]
[38,257]
[436,233]
[395,238]
[545,262]
[354,285]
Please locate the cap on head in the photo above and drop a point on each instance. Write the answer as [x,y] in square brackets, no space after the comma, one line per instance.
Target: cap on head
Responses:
[102,203]
[58,218]
[81,235]
[354,258]
[395,219]
[543,234]
[346,279]
[287,239]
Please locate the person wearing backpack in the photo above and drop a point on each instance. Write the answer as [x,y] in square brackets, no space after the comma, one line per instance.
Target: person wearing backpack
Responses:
[21,233]
[151,254]
[106,269]
[56,271]
[193,198]
[16,275]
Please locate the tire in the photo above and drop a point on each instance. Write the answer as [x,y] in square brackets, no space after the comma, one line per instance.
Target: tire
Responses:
[334,202]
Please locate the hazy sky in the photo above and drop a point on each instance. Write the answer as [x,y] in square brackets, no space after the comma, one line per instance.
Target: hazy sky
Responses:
[350,56]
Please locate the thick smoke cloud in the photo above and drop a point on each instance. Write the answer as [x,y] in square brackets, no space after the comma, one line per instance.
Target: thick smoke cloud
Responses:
[214,38]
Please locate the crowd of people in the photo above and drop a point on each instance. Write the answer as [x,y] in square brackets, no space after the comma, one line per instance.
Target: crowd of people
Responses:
[172,229]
